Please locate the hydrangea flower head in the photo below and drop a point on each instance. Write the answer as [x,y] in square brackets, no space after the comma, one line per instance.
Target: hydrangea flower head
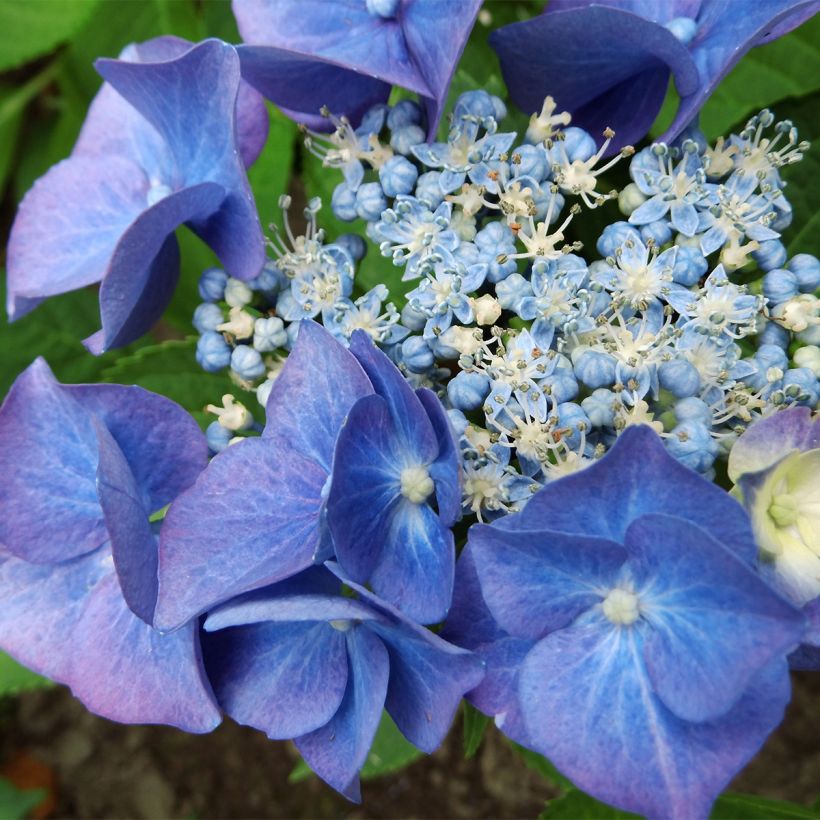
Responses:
[85,467]
[344,56]
[608,62]
[163,145]
[627,635]
[299,660]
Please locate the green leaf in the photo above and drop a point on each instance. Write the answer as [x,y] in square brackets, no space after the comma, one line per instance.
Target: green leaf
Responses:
[15,678]
[538,763]
[390,751]
[475,724]
[15,804]
[170,368]
[576,805]
[751,807]
[29,30]
[788,67]
[270,174]
[55,330]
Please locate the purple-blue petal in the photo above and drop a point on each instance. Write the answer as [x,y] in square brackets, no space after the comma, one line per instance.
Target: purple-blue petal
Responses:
[606,497]
[589,707]
[48,455]
[338,750]
[70,622]
[133,544]
[285,679]
[252,518]
[446,469]
[87,205]
[535,582]
[417,564]
[196,93]
[365,489]
[312,395]
[715,623]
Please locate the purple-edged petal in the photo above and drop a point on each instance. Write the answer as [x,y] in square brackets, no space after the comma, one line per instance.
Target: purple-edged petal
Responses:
[618,46]
[144,267]
[365,489]
[133,544]
[86,205]
[415,572]
[446,469]
[338,750]
[48,456]
[471,626]
[537,582]
[301,85]
[195,94]
[605,498]
[724,36]
[162,443]
[715,623]
[252,518]
[589,707]
[69,622]
[313,394]
[767,441]
[406,409]
[428,676]
[285,679]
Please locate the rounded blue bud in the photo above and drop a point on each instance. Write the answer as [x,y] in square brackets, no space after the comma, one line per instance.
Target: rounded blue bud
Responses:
[398,176]
[512,290]
[247,363]
[413,319]
[614,236]
[343,202]
[428,189]
[269,334]
[577,143]
[600,407]
[680,377]
[659,232]
[212,284]
[768,356]
[693,409]
[404,112]
[479,104]
[691,443]
[207,316]
[353,244]
[269,279]
[530,161]
[779,285]
[370,201]
[771,254]
[783,215]
[416,354]
[807,270]
[572,417]
[801,386]
[213,353]
[775,334]
[467,391]
[683,28]
[218,437]
[563,385]
[595,369]
[458,421]
[690,266]
[405,137]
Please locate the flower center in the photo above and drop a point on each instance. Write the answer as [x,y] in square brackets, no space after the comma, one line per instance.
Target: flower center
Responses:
[621,607]
[784,510]
[416,484]
[383,8]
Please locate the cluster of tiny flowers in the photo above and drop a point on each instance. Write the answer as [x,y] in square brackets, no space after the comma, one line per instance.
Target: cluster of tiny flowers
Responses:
[685,321]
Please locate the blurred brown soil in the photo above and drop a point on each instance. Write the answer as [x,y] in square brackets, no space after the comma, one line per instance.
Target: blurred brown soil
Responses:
[105,770]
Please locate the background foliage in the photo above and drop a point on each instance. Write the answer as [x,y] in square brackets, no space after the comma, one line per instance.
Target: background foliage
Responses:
[47,81]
